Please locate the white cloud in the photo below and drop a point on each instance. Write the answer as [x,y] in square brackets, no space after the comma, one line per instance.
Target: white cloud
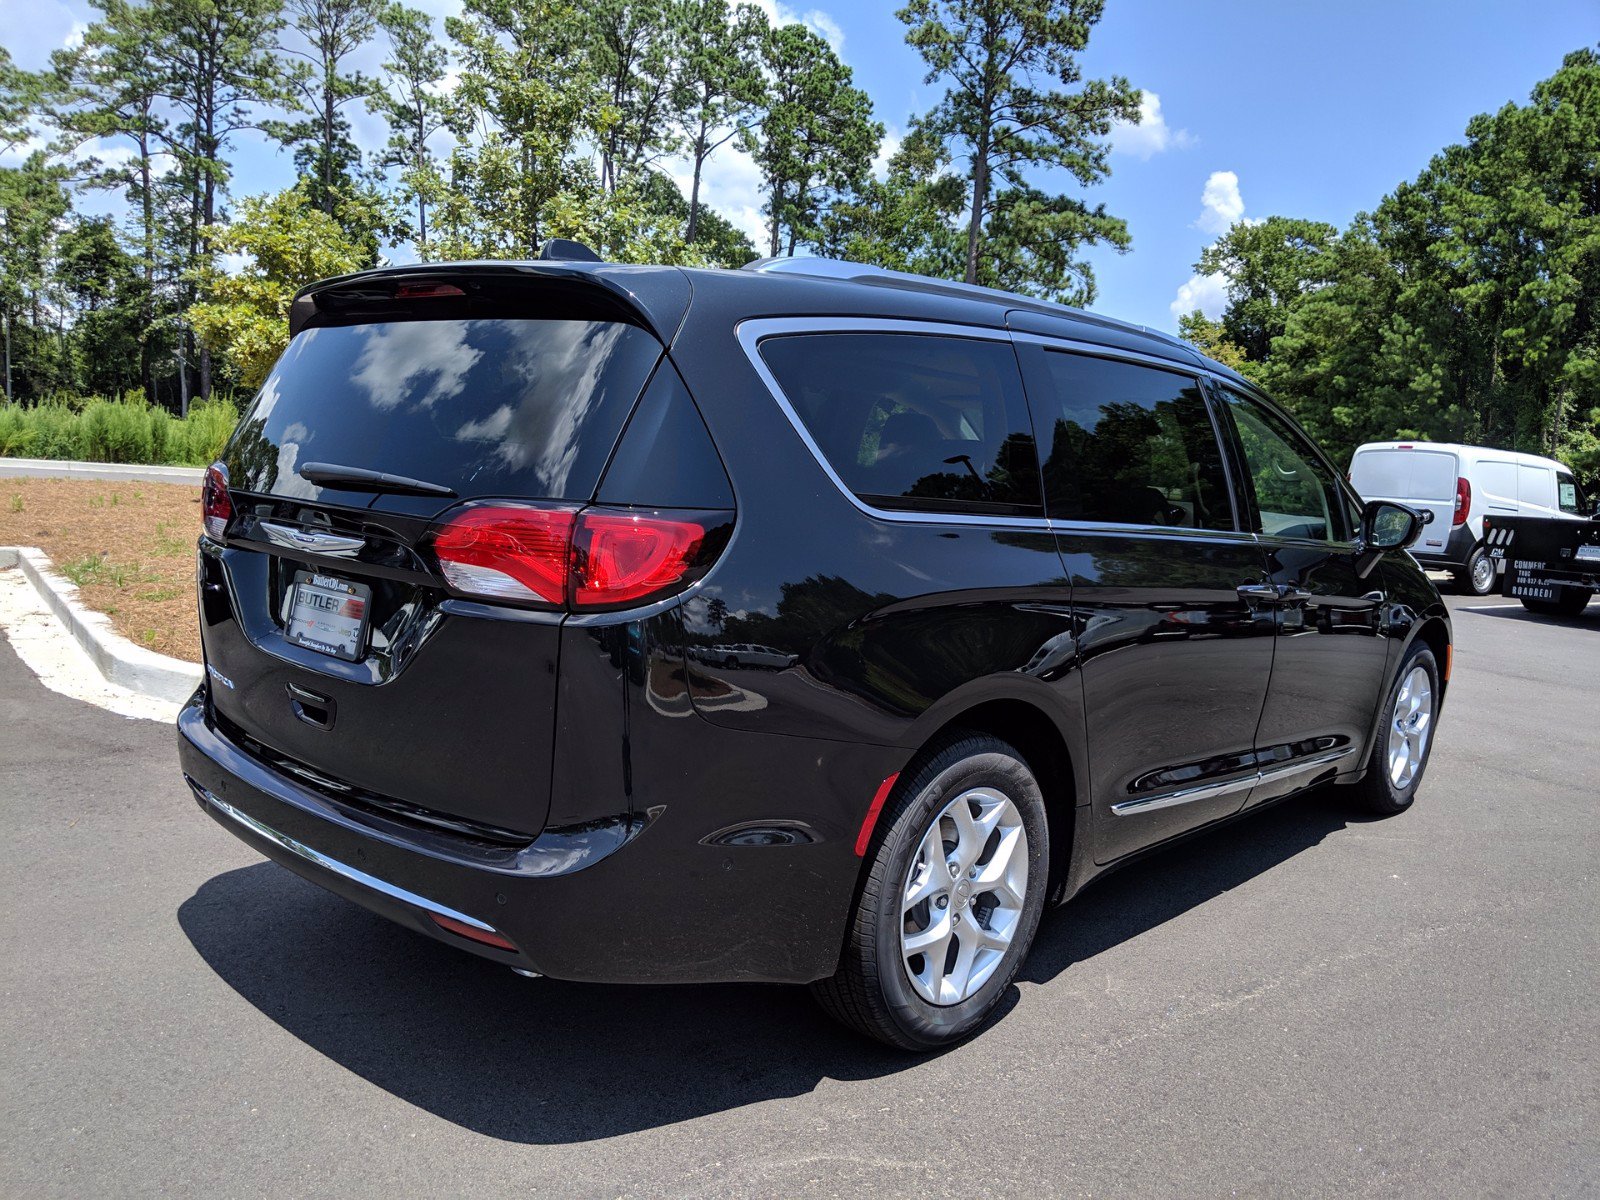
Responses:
[731,184]
[887,149]
[819,22]
[1152,134]
[1208,293]
[1222,206]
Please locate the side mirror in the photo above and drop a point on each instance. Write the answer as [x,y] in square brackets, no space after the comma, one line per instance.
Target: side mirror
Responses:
[1386,526]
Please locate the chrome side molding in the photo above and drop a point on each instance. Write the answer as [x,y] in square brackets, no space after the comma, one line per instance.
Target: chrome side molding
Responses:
[1210,791]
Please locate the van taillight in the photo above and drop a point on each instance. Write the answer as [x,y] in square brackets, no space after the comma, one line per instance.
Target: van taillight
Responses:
[1463,502]
[216,507]
[583,559]
[506,552]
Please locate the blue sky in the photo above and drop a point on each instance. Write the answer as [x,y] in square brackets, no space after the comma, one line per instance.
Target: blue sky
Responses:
[1295,108]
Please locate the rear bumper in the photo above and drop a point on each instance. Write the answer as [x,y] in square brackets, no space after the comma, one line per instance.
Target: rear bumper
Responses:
[632,900]
[1457,549]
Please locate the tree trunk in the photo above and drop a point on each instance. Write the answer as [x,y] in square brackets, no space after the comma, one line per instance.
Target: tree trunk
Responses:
[147,305]
[327,144]
[980,197]
[694,187]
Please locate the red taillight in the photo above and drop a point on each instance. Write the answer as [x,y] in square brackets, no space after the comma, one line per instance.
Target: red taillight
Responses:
[216,507]
[507,553]
[596,558]
[1463,502]
[619,557]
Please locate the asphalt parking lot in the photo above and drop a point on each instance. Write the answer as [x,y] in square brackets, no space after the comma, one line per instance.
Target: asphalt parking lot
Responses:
[1302,1003]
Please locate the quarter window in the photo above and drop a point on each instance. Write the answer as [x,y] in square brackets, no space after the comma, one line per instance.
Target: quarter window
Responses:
[1296,495]
[914,421]
[1130,445]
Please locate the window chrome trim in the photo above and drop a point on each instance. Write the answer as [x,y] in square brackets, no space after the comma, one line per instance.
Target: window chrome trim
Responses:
[1099,350]
[752,332]
[1210,791]
[333,865]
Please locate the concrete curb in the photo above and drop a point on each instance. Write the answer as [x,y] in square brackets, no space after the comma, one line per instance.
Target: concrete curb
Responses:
[119,660]
[47,468]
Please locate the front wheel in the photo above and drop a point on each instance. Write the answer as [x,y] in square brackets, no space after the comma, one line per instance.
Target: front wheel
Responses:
[1479,575]
[951,901]
[1405,736]
[1572,602]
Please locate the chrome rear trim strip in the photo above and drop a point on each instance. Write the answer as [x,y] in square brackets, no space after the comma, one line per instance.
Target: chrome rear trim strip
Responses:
[344,870]
[1210,791]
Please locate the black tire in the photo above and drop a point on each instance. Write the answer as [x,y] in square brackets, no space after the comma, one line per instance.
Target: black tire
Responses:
[1377,792]
[1573,601]
[872,990]
[1484,585]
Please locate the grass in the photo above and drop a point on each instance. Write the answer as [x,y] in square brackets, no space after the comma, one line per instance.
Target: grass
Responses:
[129,550]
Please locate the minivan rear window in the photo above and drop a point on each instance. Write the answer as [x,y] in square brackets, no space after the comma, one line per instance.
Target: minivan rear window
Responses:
[486,407]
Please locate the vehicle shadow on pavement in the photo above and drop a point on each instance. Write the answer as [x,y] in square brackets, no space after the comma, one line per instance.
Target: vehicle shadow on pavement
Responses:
[540,1061]
[1152,891]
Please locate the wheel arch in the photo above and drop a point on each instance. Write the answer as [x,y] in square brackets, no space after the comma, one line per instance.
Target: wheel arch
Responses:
[1039,738]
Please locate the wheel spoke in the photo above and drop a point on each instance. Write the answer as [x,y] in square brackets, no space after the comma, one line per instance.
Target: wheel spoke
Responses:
[930,941]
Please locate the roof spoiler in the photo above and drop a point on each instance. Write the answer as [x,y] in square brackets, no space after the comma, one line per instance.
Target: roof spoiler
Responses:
[654,298]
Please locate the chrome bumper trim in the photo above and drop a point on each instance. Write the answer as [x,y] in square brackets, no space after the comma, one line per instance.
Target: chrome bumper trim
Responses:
[345,870]
[1210,791]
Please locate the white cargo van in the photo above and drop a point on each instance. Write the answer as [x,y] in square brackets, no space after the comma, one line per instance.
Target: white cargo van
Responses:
[1460,484]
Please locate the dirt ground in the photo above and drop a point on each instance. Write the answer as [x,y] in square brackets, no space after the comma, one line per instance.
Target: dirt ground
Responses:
[128,546]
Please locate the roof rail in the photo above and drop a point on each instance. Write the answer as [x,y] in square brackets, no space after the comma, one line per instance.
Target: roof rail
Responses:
[840,268]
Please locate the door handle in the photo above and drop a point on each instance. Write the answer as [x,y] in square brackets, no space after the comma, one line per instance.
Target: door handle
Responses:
[1272,593]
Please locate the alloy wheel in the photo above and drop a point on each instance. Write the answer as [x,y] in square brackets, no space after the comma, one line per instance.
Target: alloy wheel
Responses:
[963,896]
[1410,726]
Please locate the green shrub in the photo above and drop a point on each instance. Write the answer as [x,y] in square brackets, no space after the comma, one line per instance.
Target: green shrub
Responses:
[206,432]
[57,432]
[94,429]
[16,432]
[114,432]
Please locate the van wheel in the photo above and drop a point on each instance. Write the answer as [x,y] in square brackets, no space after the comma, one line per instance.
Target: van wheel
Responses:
[1573,601]
[1405,736]
[1479,576]
[951,901]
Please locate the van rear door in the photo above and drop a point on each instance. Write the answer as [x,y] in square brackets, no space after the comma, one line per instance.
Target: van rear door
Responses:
[1420,476]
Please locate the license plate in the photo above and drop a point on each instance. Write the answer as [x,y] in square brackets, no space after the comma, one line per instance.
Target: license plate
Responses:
[1589,553]
[328,615]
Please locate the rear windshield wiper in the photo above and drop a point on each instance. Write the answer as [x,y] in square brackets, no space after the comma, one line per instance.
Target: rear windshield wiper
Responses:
[359,479]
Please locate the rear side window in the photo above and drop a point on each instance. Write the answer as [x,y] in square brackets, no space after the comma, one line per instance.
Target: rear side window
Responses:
[914,421]
[490,407]
[1129,445]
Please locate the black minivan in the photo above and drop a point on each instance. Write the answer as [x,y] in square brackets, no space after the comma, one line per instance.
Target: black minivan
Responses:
[807,623]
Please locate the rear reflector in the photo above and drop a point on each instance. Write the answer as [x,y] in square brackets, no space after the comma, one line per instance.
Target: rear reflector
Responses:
[216,506]
[487,937]
[864,838]
[561,557]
